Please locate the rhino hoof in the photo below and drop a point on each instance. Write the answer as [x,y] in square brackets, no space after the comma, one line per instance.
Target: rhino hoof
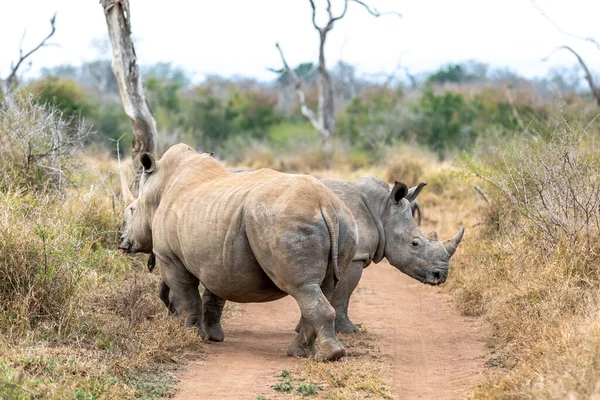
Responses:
[214,333]
[346,327]
[330,351]
[295,350]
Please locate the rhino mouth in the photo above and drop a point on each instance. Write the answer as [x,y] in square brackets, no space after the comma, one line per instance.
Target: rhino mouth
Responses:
[126,244]
[435,277]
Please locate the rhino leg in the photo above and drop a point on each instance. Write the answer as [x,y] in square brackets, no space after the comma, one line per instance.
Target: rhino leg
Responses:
[211,317]
[164,293]
[184,288]
[317,336]
[341,298]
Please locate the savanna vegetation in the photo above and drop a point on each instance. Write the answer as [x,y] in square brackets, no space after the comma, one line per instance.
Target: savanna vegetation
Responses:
[81,320]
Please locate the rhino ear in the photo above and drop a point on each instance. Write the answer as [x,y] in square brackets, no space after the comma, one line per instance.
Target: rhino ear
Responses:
[148,162]
[399,191]
[414,191]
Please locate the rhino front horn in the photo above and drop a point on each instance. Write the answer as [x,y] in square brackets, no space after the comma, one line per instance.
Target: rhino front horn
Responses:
[451,244]
[125,192]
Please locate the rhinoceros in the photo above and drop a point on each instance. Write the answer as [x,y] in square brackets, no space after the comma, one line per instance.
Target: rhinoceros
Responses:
[253,237]
[386,228]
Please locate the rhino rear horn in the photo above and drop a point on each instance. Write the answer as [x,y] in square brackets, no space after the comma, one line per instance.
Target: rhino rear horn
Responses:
[451,244]
[414,191]
[432,236]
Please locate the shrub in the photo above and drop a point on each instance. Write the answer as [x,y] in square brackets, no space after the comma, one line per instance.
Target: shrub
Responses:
[79,319]
[63,95]
[37,146]
[533,268]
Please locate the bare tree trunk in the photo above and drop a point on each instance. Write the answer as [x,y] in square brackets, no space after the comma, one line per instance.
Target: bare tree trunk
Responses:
[127,72]
[326,110]
[324,122]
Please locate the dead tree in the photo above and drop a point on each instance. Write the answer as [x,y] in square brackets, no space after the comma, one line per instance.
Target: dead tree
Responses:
[324,119]
[126,70]
[588,75]
[8,85]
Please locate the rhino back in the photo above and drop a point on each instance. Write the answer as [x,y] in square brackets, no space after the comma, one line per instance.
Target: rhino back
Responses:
[240,234]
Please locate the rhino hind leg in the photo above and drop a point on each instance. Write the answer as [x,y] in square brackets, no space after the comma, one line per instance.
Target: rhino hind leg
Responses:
[211,316]
[341,298]
[317,336]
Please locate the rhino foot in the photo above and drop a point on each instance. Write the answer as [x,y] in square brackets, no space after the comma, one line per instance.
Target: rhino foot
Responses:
[346,326]
[296,350]
[191,322]
[214,333]
[330,350]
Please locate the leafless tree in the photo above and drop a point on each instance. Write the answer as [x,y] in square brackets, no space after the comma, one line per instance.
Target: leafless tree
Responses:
[8,85]
[324,119]
[595,89]
[126,70]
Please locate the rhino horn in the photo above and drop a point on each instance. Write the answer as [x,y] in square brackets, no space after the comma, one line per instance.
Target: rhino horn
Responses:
[125,192]
[432,235]
[413,192]
[451,244]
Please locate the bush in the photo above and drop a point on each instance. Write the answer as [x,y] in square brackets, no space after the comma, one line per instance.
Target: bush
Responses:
[533,268]
[37,146]
[63,95]
[79,319]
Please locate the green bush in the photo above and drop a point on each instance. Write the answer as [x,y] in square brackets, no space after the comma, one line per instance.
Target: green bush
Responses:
[62,94]
[444,121]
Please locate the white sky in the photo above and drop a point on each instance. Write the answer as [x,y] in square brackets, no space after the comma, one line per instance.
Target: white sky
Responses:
[229,37]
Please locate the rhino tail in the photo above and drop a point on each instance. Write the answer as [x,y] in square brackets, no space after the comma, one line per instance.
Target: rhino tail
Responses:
[333,225]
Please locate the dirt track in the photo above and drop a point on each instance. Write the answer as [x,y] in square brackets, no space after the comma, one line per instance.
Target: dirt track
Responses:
[430,352]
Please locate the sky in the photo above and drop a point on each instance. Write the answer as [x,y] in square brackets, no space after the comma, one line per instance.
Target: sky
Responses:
[237,37]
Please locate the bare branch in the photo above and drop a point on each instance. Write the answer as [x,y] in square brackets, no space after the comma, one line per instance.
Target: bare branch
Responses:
[558,28]
[332,19]
[307,112]
[314,15]
[373,11]
[588,75]
[10,81]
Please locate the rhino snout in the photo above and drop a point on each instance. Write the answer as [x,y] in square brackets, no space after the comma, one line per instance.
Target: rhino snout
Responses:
[437,277]
[126,244]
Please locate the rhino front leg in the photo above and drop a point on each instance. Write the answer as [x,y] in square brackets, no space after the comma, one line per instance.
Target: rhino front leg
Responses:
[165,295]
[183,286]
[341,298]
[211,316]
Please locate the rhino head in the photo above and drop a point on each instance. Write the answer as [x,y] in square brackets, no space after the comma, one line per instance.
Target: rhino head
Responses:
[407,247]
[137,233]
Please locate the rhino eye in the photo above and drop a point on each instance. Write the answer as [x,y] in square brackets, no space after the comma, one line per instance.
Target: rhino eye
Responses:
[415,243]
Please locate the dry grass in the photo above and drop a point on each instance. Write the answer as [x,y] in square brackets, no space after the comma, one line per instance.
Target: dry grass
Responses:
[79,319]
[358,376]
[532,269]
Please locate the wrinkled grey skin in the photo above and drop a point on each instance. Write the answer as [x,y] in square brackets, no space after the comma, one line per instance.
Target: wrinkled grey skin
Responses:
[386,229]
[247,238]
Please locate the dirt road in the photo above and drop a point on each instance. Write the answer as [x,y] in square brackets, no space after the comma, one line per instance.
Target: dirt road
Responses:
[430,351]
